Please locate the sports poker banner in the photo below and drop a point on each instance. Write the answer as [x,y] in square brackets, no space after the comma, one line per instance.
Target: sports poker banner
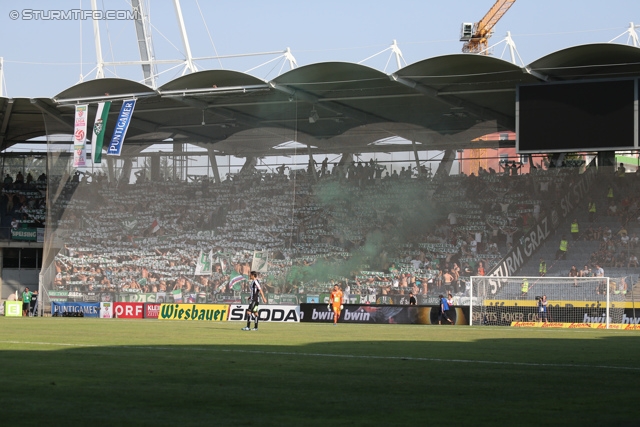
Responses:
[502,315]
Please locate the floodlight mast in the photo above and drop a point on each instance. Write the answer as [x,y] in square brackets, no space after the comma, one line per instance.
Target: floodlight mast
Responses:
[96,38]
[189,64]
[1,76]
[476,36]
[144,43]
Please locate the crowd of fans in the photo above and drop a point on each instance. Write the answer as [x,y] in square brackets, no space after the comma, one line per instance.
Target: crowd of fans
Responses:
[617,247]
[375,233]
[23,203]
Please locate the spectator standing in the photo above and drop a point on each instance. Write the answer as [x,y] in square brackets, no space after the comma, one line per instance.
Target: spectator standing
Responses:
[575,230]
[448,280]
[542,269]
[524,289]
[562,249]
[481,271]
[592,210]
[26,301]
[610,194]
[412,299]
[455,272]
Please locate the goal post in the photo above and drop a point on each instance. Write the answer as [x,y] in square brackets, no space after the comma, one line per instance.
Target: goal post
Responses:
[570,300]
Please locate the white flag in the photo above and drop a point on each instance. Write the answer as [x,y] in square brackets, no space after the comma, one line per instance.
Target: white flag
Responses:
[259,261]
[203,264]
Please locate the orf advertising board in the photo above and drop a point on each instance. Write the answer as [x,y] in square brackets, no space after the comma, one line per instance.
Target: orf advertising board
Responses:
[267,313]
[128,310]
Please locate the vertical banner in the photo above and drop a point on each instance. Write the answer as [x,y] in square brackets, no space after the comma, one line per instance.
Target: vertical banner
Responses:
[203,264]
[122,124]
[259,261]
[99,127]
[106,310]
[79,137]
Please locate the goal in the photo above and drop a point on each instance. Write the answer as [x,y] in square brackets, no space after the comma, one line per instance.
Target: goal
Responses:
[575,301]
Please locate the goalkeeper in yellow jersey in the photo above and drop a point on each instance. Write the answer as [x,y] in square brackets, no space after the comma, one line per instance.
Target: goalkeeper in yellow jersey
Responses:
[336,303]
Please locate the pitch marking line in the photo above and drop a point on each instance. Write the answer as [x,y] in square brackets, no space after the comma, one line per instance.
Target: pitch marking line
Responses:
[344,356]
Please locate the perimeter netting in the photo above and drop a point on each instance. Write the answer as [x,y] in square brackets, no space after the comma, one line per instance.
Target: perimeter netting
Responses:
[502,300]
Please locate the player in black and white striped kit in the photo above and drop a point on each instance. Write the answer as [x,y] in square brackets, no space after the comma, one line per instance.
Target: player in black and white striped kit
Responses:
[254,301]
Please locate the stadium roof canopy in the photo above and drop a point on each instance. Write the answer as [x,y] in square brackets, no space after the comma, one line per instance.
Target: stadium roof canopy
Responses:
[442,102]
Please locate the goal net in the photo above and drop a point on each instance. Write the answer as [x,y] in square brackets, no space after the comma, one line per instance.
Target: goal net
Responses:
[576,300]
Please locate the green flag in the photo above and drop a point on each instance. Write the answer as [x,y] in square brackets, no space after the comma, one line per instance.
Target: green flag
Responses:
[99,128]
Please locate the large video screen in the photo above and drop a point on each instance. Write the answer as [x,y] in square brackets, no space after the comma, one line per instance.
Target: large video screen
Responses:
[566,117]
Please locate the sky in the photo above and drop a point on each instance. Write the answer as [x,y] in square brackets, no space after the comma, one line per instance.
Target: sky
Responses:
[44,57]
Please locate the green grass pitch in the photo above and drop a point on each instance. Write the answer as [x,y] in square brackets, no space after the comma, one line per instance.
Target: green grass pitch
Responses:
[81,371]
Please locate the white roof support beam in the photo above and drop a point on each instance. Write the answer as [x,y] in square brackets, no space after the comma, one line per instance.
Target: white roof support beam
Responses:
[632,34]
[189,64]
[290,58]
[96,38]
[144,44]
[395,51]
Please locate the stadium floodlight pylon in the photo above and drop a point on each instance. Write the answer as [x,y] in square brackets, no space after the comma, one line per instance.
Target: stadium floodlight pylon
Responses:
[501,300]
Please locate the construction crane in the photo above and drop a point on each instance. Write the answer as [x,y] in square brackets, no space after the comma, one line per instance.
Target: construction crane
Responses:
[476,35]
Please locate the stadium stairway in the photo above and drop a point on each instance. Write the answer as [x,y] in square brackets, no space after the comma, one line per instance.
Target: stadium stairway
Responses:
[580,250]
